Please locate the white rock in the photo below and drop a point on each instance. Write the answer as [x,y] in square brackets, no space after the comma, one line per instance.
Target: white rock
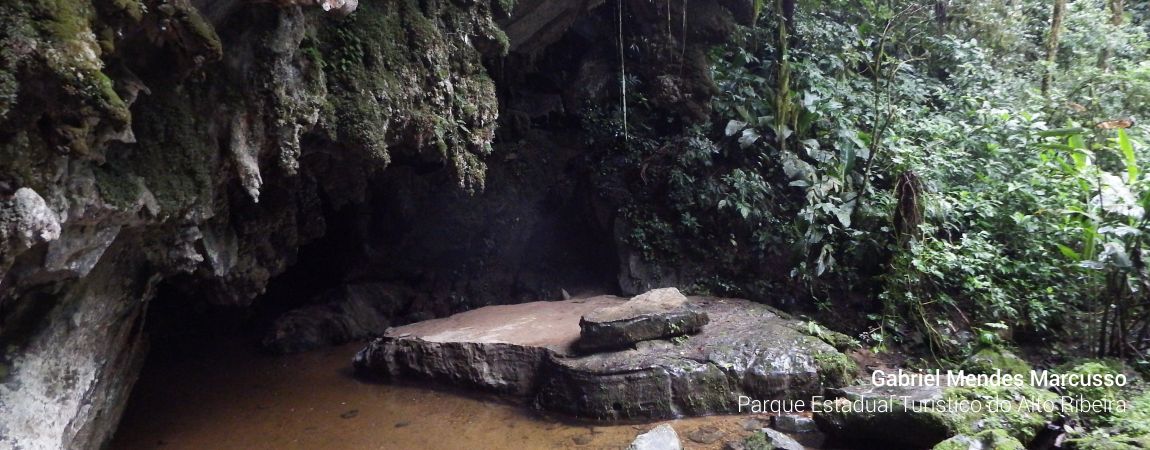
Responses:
[780,441]
[662,437]
[26,220]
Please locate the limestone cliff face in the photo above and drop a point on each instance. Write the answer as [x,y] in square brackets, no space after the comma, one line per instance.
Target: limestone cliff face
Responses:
[143,140]
[196,145]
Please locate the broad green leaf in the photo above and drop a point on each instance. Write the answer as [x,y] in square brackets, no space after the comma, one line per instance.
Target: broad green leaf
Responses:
[1062,132]
[1069,253]
[1049,145]
[1127,148]
[1076,141]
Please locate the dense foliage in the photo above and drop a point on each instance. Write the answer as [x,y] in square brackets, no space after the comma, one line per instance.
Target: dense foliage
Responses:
[952,169]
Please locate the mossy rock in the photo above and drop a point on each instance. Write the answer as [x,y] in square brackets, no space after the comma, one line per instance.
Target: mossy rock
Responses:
[1022,423]
[386,68]
[769,439]
[887,422]
[1110,394]
[986,440]
[835,369]
[174,157]
[839,341]
[1130,429]
[924,416]
[1120,442]
[988,360]
[1135,421]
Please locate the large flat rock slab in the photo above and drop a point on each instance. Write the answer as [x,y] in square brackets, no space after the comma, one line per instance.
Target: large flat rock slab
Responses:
[527,350]
[496,348]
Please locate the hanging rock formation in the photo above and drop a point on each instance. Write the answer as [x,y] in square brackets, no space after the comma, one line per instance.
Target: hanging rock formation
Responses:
[145,143]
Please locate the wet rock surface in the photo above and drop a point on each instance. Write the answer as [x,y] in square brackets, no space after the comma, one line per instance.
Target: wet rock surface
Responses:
[795,424]
[918,416]
[526,350]
[773,440]
[892,423]
[662,437]
[344,314]
[497,348]
[706,435]
[657,314]
[986,440]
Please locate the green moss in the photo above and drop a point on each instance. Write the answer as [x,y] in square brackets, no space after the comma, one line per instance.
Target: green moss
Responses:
[192,21]
[1104,393]
[401,74]
[988,360]
[1136,420]
[929,422]
[132,9]
[835,369]
[1120,442]
[313,54]
[67,52]
[174,156]
[1130,429]
[839,341]
[989,439]
[1022,420]
[116,187]
[107,100]
[758,441]
[64,20]
[15,30]
[501,40]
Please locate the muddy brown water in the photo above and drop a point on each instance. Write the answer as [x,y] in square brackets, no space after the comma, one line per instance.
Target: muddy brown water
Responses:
[236,398]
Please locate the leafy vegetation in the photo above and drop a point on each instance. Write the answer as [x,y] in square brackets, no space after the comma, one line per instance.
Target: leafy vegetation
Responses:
[948,171]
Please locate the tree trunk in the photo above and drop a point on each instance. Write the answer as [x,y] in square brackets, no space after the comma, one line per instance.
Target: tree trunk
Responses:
[785,10]
[1052,44]
[1117,8]
[940,15]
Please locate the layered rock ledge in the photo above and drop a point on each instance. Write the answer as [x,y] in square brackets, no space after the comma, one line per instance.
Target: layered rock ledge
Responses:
[656,314]
[528,350]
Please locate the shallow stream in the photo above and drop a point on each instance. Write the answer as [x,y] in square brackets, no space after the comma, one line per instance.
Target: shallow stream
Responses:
[233,397]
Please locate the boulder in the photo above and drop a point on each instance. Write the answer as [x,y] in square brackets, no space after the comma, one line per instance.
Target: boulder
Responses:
[527,350]
[662,437]
[920,416]
[986,440]
[795,424]
[988,360]
[656,314]
[706,435]
[344,314]
[769,439]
